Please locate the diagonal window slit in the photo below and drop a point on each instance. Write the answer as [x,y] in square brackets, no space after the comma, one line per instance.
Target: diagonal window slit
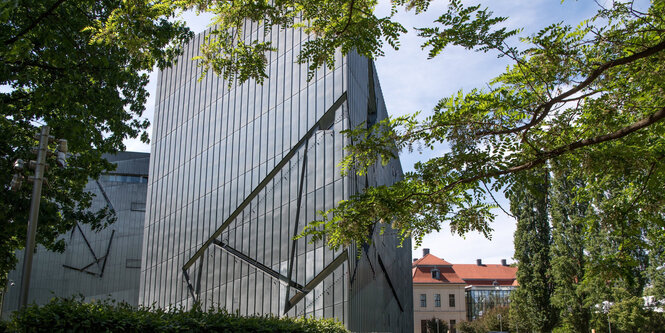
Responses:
[316,280]
[324,123]
[96,260]
[390,283]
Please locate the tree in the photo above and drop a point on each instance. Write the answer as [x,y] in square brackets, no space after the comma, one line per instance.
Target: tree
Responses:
[529,202]
[90,93]
[495,319]
[567,254]
[436,325]
[589,94]
[580,93]
[598,274]
[347,24]
[584,95]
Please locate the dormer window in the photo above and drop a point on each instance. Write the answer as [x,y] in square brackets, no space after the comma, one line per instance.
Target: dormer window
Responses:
[436,274]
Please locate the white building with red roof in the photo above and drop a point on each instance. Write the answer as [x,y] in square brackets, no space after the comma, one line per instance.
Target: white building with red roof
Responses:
[438,292]
[458,292]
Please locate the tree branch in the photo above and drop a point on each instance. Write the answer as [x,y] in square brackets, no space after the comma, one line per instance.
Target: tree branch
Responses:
[645,122]
[348,22]
[35,22]
[496,202]
[540,115]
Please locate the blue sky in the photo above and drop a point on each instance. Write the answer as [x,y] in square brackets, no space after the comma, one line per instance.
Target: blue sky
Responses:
[412,83]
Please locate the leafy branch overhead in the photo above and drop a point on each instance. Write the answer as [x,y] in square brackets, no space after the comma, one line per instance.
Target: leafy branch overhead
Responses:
[237,46]
[591,95]
[88,91]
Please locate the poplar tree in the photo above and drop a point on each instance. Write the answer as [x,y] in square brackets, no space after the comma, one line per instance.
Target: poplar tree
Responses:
[567,253]
[530,302]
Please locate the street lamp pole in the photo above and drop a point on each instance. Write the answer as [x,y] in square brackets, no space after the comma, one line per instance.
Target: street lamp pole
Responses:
[34,214]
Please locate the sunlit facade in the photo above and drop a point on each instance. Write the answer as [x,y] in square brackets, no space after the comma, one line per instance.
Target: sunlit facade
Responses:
[237,172]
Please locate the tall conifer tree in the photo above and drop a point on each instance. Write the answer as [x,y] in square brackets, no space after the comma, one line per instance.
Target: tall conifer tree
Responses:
[529,203]
[567,253]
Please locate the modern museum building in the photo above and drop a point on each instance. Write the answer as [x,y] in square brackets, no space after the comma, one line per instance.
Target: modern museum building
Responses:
[238,170]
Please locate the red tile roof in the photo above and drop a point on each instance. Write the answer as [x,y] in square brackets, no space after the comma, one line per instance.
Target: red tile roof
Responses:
[431,260]
[424,275]
[468,274]
[422,270]
[485,272]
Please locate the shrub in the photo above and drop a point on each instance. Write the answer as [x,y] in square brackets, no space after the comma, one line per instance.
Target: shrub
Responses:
[436,325]
[73,315]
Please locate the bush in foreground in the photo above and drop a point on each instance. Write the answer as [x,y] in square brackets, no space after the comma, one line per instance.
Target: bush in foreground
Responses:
[73,315]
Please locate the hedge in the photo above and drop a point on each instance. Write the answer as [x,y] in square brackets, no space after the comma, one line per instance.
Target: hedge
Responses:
[74,315]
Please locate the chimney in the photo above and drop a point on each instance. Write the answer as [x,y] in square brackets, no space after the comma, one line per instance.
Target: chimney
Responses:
[415,259]
[479,262]
[425,252]
[503,262]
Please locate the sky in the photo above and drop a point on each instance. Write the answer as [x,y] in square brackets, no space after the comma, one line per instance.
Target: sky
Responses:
[410,82]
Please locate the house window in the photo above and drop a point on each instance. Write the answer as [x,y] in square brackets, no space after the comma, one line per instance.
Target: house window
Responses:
[437,300]
[423,300]
[451,300]
[453,324]
[423,326]
[436,274]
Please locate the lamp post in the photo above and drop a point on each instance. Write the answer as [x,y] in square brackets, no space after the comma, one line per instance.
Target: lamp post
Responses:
[606,309]
[37,181]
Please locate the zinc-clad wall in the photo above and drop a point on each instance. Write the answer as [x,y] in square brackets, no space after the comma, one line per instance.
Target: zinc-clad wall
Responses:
[382,280]
[118,278]
[212,147]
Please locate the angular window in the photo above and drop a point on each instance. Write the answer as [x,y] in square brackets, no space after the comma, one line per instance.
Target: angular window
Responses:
[423,300]
[124,178]
[138,207]
[437,300]
[453,326]
[436,274]
[451,300]
[133,263]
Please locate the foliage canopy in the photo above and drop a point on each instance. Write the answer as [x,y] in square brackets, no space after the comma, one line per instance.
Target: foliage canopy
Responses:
[588,96]
[90,93]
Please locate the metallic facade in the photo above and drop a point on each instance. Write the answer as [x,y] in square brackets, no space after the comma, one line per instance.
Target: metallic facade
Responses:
[97,265]
[237,172]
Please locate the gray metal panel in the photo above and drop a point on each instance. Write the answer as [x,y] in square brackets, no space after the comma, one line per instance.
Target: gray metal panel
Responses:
[213,146]
[381,277]
[50,276]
